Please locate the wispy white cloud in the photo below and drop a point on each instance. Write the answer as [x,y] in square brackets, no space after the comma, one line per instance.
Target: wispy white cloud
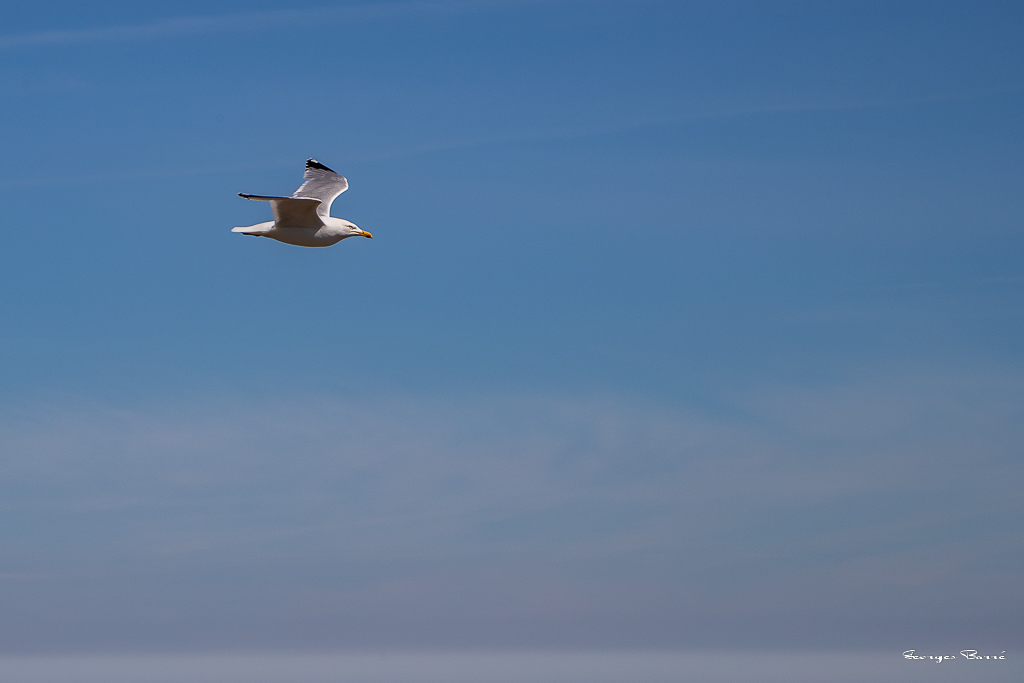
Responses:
[681,117]
[249,21]
[526,510]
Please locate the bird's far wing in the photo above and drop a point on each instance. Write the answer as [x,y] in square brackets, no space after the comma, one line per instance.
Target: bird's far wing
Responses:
[291,212]
[321,183]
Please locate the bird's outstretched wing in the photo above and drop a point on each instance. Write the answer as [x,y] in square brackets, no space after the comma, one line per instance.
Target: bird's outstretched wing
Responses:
[321,183]
[292,212]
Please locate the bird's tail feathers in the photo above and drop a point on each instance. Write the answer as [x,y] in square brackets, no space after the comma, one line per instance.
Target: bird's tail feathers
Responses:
[257,229]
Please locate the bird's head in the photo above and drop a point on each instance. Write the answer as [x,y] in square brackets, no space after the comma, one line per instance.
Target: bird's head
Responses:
[354,230]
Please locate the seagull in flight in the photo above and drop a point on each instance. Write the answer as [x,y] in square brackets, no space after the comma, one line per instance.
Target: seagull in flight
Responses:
[304,219]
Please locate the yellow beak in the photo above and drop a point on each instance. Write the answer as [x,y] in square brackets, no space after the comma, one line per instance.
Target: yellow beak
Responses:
[366,234]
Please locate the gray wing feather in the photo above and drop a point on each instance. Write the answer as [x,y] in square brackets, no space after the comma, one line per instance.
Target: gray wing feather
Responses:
[292,212]
[321,183]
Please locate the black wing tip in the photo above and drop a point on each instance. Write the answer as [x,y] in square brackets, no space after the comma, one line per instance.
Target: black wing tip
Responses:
[244,195]
[313,163]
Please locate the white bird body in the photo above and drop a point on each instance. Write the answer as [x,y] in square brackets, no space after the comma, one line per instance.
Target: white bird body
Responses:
[331,232]
[304,219]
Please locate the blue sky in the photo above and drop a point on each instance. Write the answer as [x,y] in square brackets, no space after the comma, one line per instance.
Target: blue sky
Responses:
[684,325]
